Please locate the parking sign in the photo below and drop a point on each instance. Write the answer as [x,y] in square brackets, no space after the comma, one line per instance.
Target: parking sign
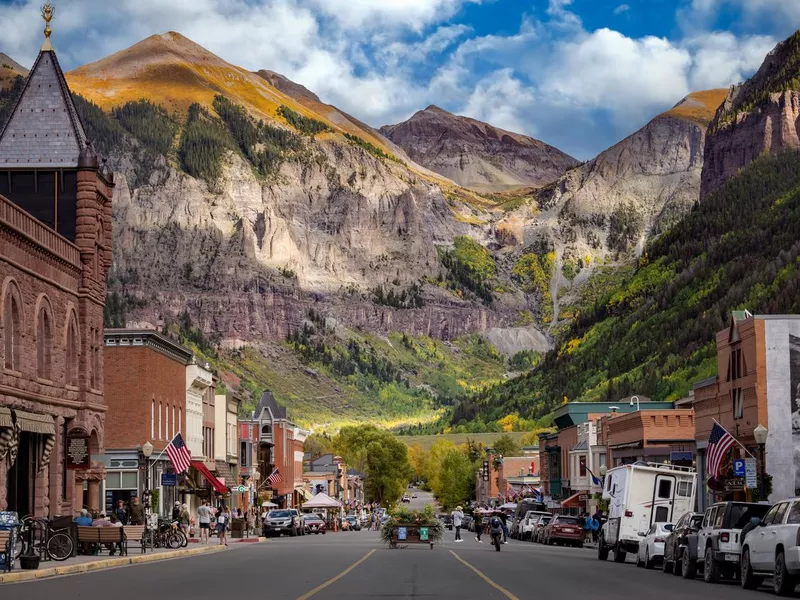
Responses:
[738,467]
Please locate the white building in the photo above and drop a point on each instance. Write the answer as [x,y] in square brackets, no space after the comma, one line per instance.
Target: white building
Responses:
[585,460]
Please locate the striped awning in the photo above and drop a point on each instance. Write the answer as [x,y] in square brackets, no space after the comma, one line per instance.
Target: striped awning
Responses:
[5,417]
[36,423]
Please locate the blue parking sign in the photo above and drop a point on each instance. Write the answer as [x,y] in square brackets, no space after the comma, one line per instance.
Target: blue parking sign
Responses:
[738,467]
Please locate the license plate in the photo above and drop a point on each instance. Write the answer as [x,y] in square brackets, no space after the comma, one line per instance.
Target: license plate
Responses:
[732,557]
[570,530]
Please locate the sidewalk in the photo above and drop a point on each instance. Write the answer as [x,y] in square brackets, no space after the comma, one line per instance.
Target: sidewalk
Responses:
[85,564]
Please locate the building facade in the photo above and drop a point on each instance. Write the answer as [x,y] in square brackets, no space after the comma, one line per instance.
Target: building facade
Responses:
[55,252]
[142,409]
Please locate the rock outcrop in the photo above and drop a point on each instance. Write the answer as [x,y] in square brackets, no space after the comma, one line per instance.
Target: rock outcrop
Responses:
[759,116]
[475,154]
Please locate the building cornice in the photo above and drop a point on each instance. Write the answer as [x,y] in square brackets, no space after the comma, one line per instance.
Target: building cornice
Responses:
[148,338]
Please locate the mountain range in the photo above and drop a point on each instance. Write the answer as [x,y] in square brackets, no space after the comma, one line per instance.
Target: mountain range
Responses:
[360,271]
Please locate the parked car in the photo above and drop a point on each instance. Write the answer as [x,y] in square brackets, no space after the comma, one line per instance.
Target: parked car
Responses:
[299,521]
[677,548]
[315,524]
[447,521]
[413,495]
[538,532]
[528,525]
[771,548]
[718,541]
[278,522]
[406,499]
[467,523]
[564,531]
[353,522]
[651,547]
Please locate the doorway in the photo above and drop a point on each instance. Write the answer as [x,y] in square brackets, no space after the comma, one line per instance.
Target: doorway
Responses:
[22,476]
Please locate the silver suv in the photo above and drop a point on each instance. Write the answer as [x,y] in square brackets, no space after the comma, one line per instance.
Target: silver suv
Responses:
[280,521]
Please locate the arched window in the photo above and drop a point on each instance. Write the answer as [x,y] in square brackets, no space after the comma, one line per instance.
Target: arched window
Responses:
[44,344]
[160,412]
[180,418]
[73,352]
[153,419]
[12,331]
[266,430]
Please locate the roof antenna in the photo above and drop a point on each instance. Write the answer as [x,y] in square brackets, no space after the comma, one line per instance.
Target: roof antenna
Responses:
[48,12]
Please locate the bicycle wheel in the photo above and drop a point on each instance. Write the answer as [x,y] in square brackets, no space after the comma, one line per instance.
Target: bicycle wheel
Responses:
[60,546]
[185,539]
[174,540]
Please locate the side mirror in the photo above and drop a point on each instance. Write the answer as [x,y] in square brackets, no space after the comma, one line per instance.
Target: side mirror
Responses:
[642,534]
[669,527]
[755,521]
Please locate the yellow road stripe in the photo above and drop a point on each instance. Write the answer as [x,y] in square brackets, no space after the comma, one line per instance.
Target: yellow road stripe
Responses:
[496,586]
[319,588]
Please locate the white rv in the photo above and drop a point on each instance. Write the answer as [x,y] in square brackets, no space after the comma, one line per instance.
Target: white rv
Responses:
[639,495]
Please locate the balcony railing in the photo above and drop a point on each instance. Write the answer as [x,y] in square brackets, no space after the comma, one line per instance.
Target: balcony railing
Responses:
[13,217]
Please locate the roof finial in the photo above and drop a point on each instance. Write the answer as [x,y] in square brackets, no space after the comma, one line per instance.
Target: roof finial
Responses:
[48,12]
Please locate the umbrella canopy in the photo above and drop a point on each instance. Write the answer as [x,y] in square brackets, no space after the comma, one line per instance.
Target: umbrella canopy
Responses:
[322,500]
[268,505]
[508,506]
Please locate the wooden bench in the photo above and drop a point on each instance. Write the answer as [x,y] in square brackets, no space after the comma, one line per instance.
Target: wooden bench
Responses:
[135,533]
[5,548]
[104,535]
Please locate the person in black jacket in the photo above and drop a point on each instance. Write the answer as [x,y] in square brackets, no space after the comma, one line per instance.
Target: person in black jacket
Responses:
[120,513]
[176,511]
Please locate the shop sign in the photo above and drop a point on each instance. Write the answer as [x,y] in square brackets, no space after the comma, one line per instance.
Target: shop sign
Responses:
[169,479]
[423,534]
[734,484]
[583,498]
[78,451]
[239,489]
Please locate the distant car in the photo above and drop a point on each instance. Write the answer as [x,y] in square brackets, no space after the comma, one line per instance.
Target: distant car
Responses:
[447,521]
[467,522]
[316,525]
[677,546]
[528,525]
[651,546]
[538,531]
[354,522]
[413,495]
[406,499]
[564,531]
[299,521]
[278,522]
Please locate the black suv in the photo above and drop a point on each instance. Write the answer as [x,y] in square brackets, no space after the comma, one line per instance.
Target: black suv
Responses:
[679,554]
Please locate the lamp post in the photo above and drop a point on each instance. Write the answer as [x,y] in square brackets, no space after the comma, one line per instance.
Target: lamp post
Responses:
[761,433]
[637,402]
[147,452]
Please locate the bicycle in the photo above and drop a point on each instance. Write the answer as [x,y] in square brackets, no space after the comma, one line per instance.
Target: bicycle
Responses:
[37,534]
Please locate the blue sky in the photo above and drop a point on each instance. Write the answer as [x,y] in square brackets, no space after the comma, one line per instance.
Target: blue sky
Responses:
[578,74]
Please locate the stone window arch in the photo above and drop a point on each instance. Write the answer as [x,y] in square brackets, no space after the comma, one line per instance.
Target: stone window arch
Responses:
[73,350]
[44,341]
[12,327]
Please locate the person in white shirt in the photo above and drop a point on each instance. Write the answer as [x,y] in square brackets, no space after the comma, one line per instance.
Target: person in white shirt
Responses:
[204,519]
[458,518]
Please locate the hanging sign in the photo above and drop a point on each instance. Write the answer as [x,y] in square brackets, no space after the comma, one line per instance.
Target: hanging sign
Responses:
[751,472]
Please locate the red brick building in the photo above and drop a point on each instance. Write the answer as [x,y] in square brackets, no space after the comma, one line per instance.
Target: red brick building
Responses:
[145,388]
[55,251]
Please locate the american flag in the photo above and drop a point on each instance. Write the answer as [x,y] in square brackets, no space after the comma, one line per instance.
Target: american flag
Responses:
[718,445]
[275,477]
[179,454]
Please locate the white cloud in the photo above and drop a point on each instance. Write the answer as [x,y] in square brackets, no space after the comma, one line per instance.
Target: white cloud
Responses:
[503,101]
[720,59]
[622,8]
[415,14]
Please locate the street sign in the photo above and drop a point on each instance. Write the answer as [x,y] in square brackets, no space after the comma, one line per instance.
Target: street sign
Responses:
[402,533]
[169,479]
[583,498]
[423,534]
[738,467]
[751,472]
[239,489]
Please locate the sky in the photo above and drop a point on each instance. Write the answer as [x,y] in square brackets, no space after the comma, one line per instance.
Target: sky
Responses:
[577,74]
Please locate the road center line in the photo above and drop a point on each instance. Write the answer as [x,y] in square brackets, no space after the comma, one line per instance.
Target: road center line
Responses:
[321,587]
[496,586]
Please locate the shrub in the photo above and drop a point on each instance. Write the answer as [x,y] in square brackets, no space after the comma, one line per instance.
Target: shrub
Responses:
[203,144]
[301,123]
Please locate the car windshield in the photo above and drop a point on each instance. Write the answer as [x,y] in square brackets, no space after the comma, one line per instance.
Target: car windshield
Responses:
[742,513]
[278,514]
[567,521]
[312,519]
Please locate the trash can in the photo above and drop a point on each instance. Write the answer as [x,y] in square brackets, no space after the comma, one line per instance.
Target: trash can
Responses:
[9,521]
[237,528]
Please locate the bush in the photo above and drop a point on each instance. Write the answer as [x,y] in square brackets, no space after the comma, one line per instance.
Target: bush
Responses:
[149,123]
[301,123]
[105,132]
[371,148]
[203,145]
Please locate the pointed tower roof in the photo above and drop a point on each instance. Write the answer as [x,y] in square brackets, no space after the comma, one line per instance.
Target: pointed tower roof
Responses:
[44,129]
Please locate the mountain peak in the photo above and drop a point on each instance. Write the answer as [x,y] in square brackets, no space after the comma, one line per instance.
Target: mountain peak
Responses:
[699,107]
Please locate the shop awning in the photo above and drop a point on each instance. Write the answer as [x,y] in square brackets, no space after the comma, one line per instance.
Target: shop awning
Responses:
[34,423]
[322,500]
[223,470]
[573,501]
[303,492]
[5,417]
[218,486]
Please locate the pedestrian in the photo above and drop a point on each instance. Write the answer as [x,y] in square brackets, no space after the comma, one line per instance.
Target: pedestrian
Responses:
[478,528]
[458,518]
[223,521]
[176,511]
[136,512]
[597,522]
[587,527]
[204,518]
[120,513]
[184,518]
[503,519]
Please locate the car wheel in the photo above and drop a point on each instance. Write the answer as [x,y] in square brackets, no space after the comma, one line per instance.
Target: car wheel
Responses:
[747,579]
[648,562]
[688,566]
[676,564]
[619,554]
[666,565]
[783,582]
[638,561]
[710,569]
[602,550]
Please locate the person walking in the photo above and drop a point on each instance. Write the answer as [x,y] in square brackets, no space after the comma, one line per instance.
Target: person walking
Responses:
[136,512]
[204,519]
[120,513]
[587,527]
[458,518]
[597,522]
[223,522]
[478,528]
[184,518]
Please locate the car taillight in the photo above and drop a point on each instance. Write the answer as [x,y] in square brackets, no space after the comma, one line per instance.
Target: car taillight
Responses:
[724,537]
[628,513]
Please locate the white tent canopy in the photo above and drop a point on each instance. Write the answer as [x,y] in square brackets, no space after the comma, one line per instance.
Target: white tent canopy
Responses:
[322,500]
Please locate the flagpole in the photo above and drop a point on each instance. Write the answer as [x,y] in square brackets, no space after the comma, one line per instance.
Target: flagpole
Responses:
[734,438]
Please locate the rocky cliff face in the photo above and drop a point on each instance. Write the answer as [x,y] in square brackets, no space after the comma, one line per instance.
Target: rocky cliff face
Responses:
[475,154]
[760,116]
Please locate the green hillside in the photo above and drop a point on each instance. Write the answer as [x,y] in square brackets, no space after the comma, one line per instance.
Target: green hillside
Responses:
[651,330]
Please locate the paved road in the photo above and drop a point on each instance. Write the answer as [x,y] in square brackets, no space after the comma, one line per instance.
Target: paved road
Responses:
[356,565]
[421,500]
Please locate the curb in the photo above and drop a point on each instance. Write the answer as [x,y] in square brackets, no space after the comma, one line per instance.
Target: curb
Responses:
[109,563]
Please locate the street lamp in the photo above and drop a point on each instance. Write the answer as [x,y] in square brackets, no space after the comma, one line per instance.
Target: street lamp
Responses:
[761,433]
[637,402]
[147,452]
